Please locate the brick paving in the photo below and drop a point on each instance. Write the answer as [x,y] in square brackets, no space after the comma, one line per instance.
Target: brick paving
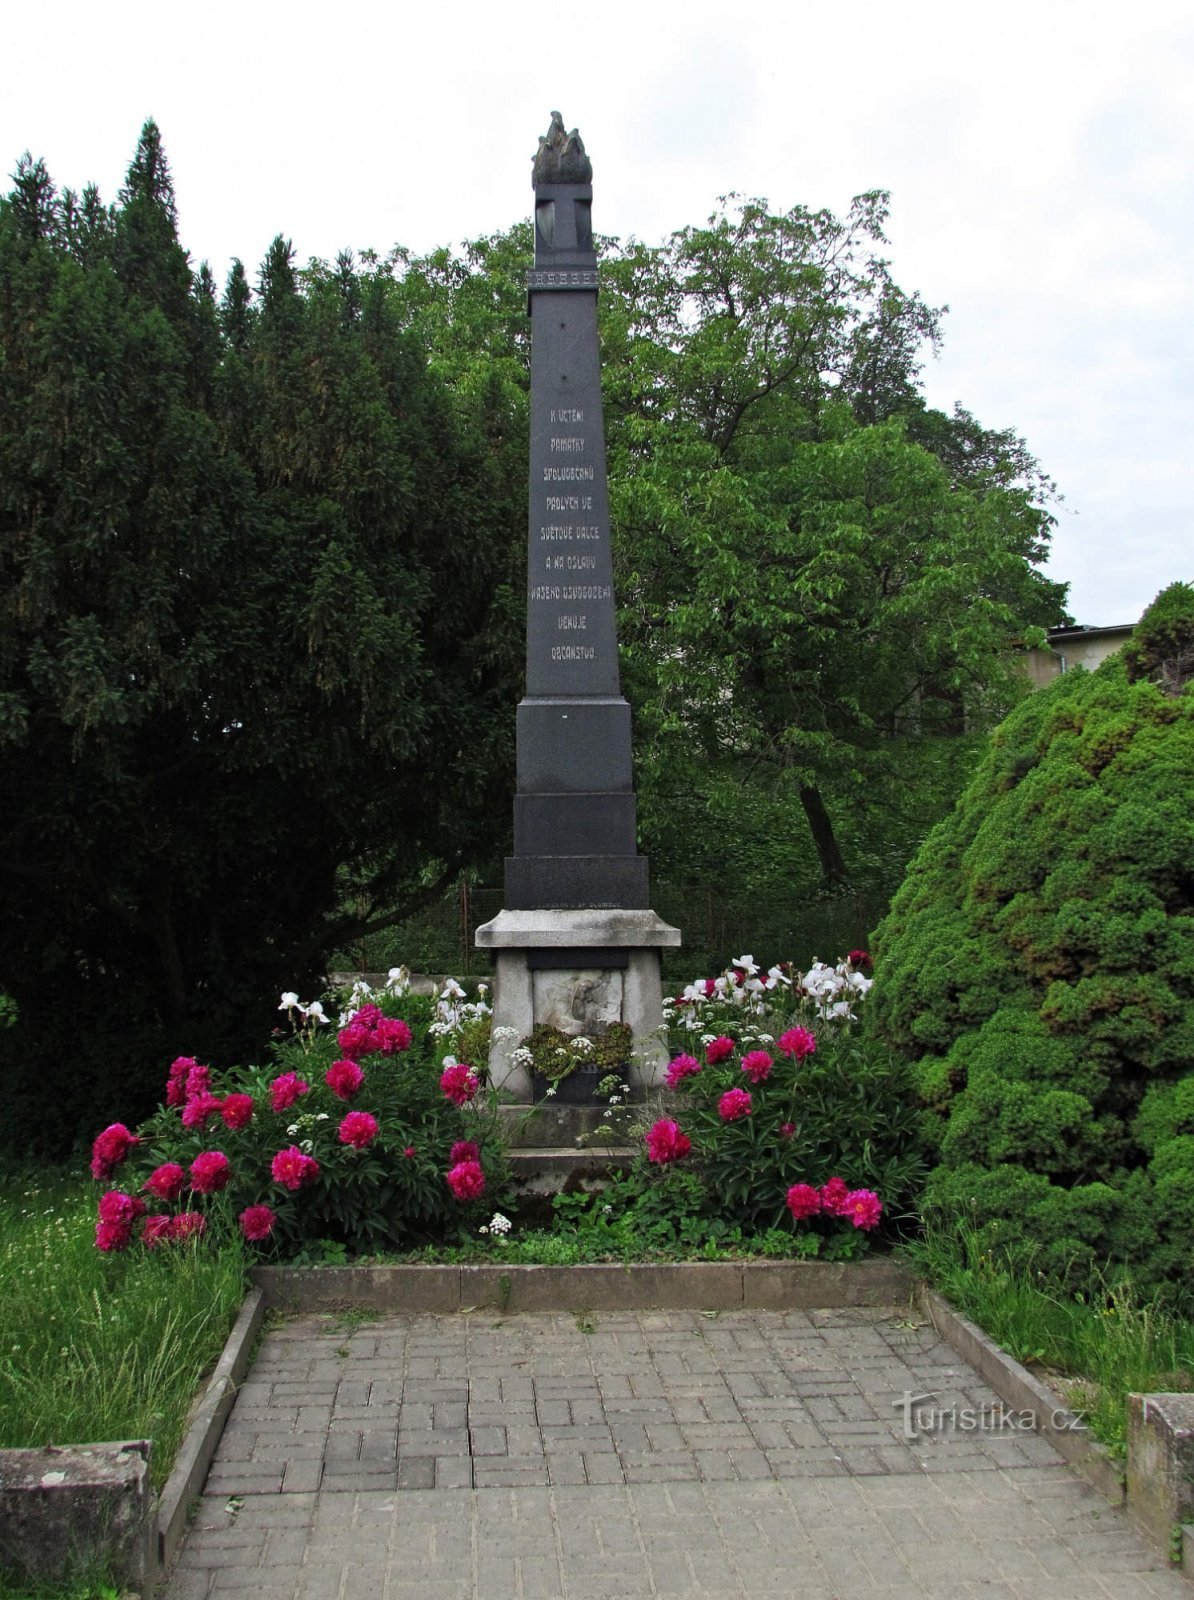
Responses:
[630,1454]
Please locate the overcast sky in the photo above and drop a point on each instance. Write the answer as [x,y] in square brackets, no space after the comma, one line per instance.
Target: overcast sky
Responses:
[1040,158]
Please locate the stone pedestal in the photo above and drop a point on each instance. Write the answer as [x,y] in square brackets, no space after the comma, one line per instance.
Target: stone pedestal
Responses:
[578,971]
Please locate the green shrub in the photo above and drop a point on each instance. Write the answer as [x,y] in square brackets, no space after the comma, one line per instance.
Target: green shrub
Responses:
[1037,970]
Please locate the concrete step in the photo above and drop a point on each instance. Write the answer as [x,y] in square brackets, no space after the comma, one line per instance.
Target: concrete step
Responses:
[551,1126]
[555,1169]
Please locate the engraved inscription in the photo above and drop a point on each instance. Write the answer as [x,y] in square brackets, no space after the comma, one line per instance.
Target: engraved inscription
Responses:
[573,652]
[538,278]
[571,444]
[572,414]
[572,620]
[568,474]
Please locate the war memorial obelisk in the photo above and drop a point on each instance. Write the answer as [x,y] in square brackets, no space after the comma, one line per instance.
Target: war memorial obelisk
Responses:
[576,945]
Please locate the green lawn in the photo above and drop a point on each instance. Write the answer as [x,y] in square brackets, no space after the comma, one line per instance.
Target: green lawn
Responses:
[98,1347]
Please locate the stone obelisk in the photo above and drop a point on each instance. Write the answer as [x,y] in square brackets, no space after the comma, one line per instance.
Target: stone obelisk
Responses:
[576,944]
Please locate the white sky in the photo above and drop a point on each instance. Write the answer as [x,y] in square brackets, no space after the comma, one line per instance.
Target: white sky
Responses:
[1040,157]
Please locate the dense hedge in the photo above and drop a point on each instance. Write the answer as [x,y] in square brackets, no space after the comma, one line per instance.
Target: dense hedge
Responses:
[1038,965]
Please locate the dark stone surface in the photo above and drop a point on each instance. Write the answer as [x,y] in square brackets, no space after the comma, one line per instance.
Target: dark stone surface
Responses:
[592,824]
[574,745]
[574,813]
[566,883]
[567,957]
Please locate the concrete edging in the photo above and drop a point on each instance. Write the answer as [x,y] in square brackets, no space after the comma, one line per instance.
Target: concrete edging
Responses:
[693,1285]
[1021,1391]
[187,1476]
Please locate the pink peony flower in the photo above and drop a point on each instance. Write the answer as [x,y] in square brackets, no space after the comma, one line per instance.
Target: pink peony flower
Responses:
[734,1103]
[787,1130]
[409,1152]
[666,1142]
[167,1181]
[285,1090]
[463,1150]
[368,1016]
[718,1049]
[344,1078]
[459,1083]
[110,1149]
[199,1110]
[176,1084]
[358,1129]
[833,1197]
[757,1065]
[113,1235]
[803,1200]
[392,1035]
[187,1225]
[797,1043]
[155,1231]
[292,1168]
[710,988]
[198,1081]
[863,1207]
[679,1068]
[119,1208]
[257,1223]
[355,1040]
[237,1111]
[466,1180]
[859,958]
[210,1171]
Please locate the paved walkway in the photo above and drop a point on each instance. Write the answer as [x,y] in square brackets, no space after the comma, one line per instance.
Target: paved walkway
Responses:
[711,1456]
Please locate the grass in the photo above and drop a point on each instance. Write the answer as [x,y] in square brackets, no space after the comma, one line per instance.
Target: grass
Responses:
[97,1347]
[1103,1343]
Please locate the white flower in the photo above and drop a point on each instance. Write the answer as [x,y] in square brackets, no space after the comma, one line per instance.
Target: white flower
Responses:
[499,1224]
[549,1091]
[315,1009]
[505,1033]
[322,1117]
[292,1131]
[289,1001]
[482,988]
[452,988]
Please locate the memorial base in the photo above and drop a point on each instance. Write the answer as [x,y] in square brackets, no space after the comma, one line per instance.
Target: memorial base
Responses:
[578,971]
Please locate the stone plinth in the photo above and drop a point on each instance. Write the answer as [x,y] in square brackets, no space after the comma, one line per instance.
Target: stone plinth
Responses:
[1161,1461]
[579,971]
[66,1511]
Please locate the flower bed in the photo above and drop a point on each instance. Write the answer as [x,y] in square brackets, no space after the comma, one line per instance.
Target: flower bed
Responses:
[361,1136]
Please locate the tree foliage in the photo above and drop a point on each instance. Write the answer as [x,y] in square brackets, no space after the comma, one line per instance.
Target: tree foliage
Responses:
[259,637]
[1038,967]
[816,573]
[812,566]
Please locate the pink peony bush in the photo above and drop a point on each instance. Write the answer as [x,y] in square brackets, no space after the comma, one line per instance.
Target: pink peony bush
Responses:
[781,1114]
[276,1155]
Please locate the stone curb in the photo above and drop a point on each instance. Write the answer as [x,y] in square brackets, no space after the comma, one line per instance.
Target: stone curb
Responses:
[699,1285]
[1020,1391]
[185,1483]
